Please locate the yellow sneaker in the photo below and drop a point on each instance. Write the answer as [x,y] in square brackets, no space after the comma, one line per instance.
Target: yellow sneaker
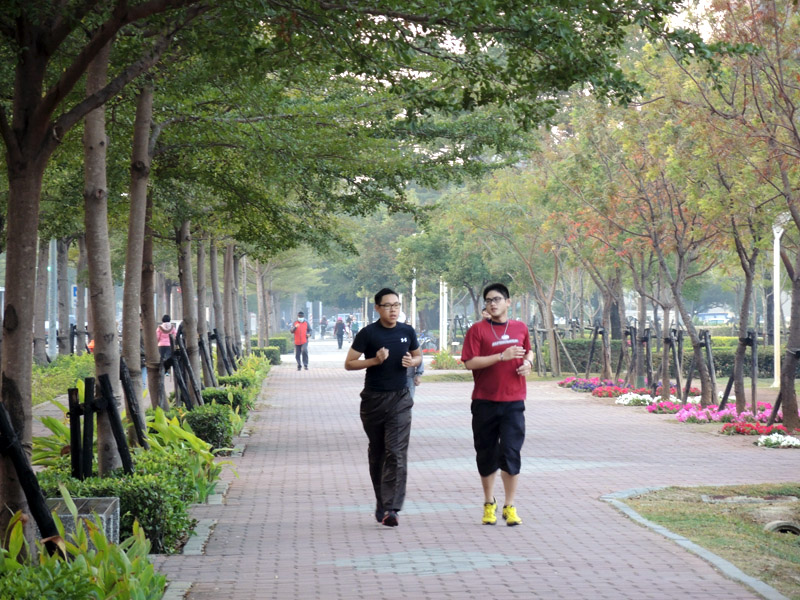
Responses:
[489,509]
[510,515]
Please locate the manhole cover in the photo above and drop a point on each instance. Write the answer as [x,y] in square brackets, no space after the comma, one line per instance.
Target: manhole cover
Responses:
[783,527]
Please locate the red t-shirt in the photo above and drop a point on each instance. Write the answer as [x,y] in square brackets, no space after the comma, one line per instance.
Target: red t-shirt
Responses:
[498,382]
[300,332]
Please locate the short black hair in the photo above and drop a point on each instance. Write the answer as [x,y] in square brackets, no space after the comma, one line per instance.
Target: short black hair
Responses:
[301,314]
[384,292]
[165,319]
[497,287]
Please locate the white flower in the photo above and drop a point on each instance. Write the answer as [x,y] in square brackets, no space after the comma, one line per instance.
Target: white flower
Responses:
[778,440]
[631,399]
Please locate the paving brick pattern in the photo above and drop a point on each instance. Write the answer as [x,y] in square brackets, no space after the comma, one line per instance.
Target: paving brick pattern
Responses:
[298,520]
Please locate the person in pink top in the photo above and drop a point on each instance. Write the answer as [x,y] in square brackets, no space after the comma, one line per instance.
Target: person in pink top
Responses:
[498,352]
[163,332]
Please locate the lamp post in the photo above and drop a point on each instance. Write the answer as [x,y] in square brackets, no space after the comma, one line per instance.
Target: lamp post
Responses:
[777,231]
[443,337]
[413,309]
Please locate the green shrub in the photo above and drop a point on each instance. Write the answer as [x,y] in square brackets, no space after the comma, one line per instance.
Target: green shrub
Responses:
[152,500]
[235,397]
[271,353]
[168,435]
[212,423]
[238,380]
[723,341]
[282,342]
[723,352]
[55,379]
[173,465]
[445,361]
[121,571]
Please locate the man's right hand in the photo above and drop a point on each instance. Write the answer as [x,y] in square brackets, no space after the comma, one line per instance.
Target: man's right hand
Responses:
[382,355]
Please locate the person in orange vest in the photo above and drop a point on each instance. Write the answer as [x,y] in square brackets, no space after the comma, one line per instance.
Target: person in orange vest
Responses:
[301,329]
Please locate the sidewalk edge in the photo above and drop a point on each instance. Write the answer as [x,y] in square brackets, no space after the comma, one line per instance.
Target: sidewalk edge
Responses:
[727,568]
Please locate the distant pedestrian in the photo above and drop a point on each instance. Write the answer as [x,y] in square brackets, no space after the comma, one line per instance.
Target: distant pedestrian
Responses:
[338,331]
[414,377]
[498,352]
[323,325]
[389,349]
[163,333]
[301,330]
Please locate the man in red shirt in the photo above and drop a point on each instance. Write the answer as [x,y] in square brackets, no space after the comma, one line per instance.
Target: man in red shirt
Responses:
[498,352]
[301,329]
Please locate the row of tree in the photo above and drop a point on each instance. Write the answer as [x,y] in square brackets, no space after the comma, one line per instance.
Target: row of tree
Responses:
[650,197]
[257,124]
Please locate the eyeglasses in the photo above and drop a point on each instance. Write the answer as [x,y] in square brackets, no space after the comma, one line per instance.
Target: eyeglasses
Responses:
[493,300]
[389,306]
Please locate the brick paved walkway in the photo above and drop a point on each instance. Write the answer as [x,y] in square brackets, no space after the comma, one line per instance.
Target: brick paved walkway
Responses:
[297,523]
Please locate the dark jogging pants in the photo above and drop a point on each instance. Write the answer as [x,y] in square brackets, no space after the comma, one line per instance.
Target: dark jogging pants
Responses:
[386,417]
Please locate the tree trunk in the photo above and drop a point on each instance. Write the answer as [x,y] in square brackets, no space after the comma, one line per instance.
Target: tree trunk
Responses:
[64,305]
[608,310]
[640,356]
[40,305]
[101,283]
[80,309]
[147,299]
[132,341]
[229,298]
[202,321]
[24,191]
[787,392]
[263,315]
[741,349]
[666,382]
[236,313]
[246,309]
[189,308]
[219,318]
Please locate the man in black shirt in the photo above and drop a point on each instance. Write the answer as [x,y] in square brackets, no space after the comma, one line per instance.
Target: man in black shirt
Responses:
[389,348]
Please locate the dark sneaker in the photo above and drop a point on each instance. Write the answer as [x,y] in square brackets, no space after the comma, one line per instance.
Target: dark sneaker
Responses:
[379,513]
[299,367]
[306,368]
[390,520]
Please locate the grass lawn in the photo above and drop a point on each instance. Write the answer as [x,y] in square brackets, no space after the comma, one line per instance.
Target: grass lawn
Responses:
[733,526]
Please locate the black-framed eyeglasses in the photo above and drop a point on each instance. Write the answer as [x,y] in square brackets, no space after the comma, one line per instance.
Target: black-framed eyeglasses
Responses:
[389,306]
[493,300]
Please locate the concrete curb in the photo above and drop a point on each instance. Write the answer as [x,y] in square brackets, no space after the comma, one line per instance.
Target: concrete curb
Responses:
[727,568]
[177,590]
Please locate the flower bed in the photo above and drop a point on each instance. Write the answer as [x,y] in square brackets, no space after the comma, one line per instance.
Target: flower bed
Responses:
[778,440]
[751,429]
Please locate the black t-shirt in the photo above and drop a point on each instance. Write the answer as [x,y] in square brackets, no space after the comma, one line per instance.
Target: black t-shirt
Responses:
[390,375]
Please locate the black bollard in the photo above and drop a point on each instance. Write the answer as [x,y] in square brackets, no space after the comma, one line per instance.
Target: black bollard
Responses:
[109,404]
[132,404]
[89,408]
[10,446]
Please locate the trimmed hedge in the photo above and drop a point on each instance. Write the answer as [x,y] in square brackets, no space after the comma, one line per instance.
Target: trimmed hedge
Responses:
[282,342]
[723,351]
[212,424]
[242,381]
[153,500]
[235,397]
[271,353]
